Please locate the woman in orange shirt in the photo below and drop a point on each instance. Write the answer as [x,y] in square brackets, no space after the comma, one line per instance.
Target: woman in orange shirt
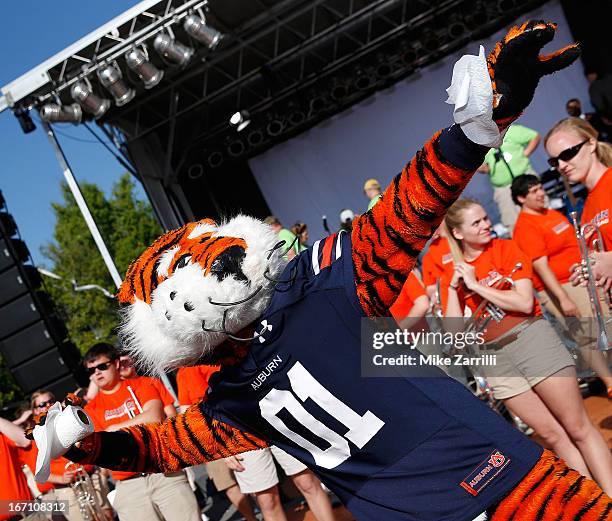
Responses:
[412,303]
[578,155]
[549,240]
[528,352]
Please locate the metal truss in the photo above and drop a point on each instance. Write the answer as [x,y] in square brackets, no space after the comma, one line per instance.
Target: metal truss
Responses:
[296,52]
[114,44]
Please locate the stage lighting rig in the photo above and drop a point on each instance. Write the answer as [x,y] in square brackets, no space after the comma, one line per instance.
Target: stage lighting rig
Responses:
[82,93]
[240,120]
[172,50]
[56,113]
[384,68]
[235,148]
[215,159]
[138,61]
[255,138]
[25,121]
[275,126]
[364,79]
[196,27]
[112,80]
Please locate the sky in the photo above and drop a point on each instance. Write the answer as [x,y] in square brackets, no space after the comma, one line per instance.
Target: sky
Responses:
[32,31]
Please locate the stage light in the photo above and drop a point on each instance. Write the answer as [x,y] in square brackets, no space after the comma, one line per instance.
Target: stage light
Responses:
[255,138]
[410,53]
[339,90]
[456,26]
[478,17]
[383,69]
[296,114]
[363,79]
[55,113]
[172,50]
[83,94]
[317,104]
[138,62]
[197,28]
[503,6]
[275,127]
[25,121]
[215,159]
[431,40]
[112,80]
[240,120]
[235,148]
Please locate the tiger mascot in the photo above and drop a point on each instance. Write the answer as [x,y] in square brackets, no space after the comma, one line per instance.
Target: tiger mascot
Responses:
[288,338]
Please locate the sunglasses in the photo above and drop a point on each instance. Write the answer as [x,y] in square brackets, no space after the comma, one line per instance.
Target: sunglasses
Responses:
[566,155]
[102,367]
[41,405]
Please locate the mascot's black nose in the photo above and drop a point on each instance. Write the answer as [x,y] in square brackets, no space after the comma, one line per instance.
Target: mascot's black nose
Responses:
[229,264]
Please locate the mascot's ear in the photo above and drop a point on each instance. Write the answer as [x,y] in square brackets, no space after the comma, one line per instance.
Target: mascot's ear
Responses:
[516,66]
[142,273]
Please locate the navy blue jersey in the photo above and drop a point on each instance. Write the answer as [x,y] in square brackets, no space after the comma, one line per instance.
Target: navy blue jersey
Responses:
[401,448]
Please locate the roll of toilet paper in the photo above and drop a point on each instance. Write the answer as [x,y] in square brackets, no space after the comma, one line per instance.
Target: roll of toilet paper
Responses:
[72,425]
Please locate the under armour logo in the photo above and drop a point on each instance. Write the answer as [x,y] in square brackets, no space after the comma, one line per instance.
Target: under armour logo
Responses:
[265,327]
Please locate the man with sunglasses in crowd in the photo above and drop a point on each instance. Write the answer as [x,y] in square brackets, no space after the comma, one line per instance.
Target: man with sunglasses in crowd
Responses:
[125,403]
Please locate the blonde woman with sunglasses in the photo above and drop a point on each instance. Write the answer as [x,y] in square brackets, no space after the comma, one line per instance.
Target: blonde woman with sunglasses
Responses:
[577,154]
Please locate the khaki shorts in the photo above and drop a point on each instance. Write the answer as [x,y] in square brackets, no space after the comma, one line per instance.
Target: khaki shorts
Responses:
[536,354]
[156,497]
[582,331]
[221,474]
[260,471]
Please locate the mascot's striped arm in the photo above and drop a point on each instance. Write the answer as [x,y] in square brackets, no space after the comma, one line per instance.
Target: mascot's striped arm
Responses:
[388,238]
[185,440]
[554,492]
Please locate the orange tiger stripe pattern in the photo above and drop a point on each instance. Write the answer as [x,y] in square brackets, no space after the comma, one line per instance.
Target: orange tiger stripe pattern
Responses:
[553,491]
[142,277]
[388,239]
[185,440]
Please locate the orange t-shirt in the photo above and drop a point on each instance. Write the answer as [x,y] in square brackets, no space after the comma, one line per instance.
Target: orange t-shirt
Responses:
[13,483]
[110,409]
[192,382]
[497,261]
[436,261]
[411,290]
[164,394]
[548,234]
[597,207]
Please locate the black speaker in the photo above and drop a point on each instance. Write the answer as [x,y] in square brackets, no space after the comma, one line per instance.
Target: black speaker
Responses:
[7,223]
[17,281]
[64,385]
[22,312]
[40,370]
[20,249]
[26,344]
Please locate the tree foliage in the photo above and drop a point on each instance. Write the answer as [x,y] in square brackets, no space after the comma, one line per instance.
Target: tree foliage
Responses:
[127,226]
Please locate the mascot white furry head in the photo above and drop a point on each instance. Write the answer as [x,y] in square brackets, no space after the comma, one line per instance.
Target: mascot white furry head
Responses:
[195,287]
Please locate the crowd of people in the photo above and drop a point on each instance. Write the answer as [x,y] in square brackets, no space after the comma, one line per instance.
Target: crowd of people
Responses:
[539,271]
[118,397]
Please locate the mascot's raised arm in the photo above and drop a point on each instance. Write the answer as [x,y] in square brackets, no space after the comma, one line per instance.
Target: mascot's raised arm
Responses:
[288,339]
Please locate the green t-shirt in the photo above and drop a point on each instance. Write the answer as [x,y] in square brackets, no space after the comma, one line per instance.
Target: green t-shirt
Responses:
[288,237]
[373,201]
[515,141]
